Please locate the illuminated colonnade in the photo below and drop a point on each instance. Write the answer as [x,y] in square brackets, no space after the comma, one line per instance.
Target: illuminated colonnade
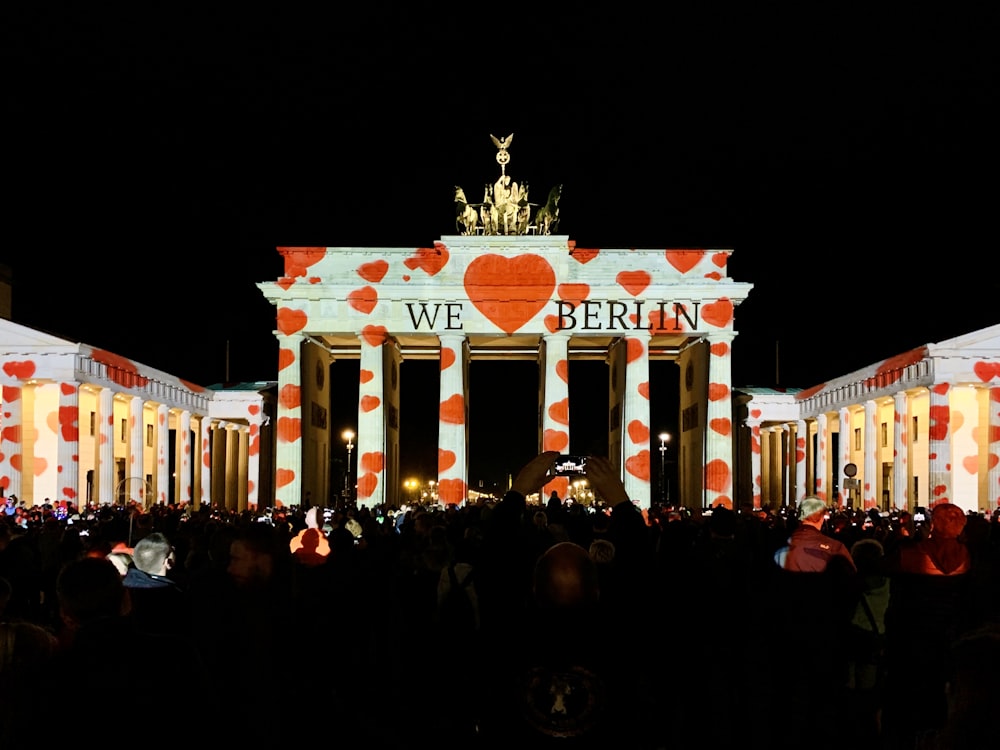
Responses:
[491,296]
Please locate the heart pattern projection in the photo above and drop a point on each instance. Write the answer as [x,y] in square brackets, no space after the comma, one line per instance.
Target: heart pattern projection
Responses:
[643,390]
[291,321]
[369,403]
[559,411]
[22,370]
[452,410]
[430,260]
[718,313]
[573,293]
[986,371]
[363,300]
[446,459]
[367,483]
[452,491]
[374,335]
[290,396]
[555,440]
[633,282]
[638,432]
[447,358]
[289,429]
[638,465]
[298,259]
[684,260]
[122,370]
[373,272]
[509,292]
[286,357]
[721,425]
[562,370]
[365,376]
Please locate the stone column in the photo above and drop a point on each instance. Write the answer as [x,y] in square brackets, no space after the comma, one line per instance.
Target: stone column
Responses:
[900,451]
[823,459]
[719,432]
[453,420]
[993,455]
[555,404]
[635,437]
[939,448]
[182,457]
[135,475]
[801,439]
[106,447]
[288,452]
[869,488]
[11,445]
[162,433]
[68,450]
[845,455]
[370,474]
[755,460]
[205,490]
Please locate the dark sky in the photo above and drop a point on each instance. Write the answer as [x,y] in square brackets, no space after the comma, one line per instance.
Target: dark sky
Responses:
[154,162]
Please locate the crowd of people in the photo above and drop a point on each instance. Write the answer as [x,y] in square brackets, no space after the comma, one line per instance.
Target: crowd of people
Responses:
[582,627]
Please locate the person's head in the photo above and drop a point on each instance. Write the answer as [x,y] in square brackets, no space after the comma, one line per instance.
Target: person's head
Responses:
[153,554]
[812,511]
[947,520]
[24,645]
[565,576]
[868,555]
[90,589]
[253,556]
[121,560]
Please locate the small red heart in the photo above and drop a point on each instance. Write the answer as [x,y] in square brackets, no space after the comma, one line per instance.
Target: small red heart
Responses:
[285,358]
[291,321]
[722,426]
[283,477]
[718,313]
[366,485]
[643,389]
[717,475]
[583,256]
[285,282]
[684,260]
[21,370]
[290,396]
[634,348]
[720,259]
[446,459]
[370,403]
[430,260]
[365,376]
[363,300]
[452,409]
[289,429]
[633,282]
[373,272]
[719,349]
[717,391]
[298,259]
[447,358]
[374,335]
[638,432]
[552,323]
[559,411]
[373,461]
[562,370]
[573,293]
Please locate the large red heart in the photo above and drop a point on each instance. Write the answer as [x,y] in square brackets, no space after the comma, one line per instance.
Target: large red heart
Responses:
[509,291]
[363,300]
[718,313]
[430,260]
[373,272]
[684,260]
[452,409]
[633,282]
[446,459]
[638,465]
[291,321]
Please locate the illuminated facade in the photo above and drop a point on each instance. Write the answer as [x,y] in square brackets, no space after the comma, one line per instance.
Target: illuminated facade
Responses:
[915,429]
[84,425]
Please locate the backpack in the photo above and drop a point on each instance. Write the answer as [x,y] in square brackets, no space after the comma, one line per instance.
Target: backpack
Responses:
[456,610]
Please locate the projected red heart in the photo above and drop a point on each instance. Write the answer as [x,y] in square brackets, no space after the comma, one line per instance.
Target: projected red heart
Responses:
[509,291]
[373,272]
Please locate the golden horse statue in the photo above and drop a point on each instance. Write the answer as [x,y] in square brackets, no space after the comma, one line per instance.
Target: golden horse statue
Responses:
[466,216]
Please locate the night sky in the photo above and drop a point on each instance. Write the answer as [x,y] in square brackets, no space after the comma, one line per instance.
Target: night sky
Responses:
[154,163]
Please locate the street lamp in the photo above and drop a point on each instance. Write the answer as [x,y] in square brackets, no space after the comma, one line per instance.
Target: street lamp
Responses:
[664,486]
[411,486]
[348,436]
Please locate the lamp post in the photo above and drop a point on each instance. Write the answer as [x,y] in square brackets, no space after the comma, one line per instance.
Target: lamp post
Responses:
[664,491]
[348,436]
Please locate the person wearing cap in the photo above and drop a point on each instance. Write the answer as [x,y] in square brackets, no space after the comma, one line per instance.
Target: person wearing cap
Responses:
[809,550]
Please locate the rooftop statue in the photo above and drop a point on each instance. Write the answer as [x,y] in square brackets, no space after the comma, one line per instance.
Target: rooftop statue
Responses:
[505,208]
